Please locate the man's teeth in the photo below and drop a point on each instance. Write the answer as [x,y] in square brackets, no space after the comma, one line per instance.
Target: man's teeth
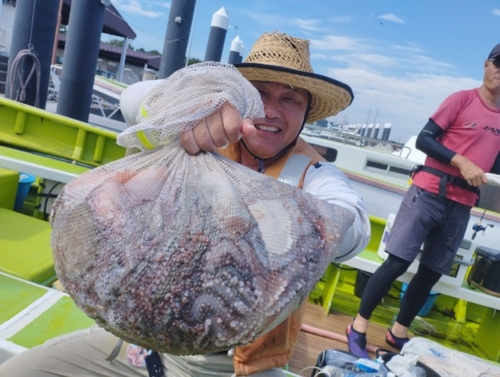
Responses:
[267,128]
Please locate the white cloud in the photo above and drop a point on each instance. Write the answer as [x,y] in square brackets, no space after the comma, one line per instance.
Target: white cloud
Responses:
[410,47]
[367,60]
[337,42]
[496,12]
[316,56]
[376,56]
[267,19]
[391,17]
[283,22]
[162,4]
[141,8]
[399,82]
[405,101]
[310,25]
[423,63]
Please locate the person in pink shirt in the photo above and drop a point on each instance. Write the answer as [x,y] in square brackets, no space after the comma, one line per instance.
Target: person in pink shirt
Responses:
[462,142]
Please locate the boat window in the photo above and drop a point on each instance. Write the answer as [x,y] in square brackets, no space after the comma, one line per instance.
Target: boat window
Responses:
[329,154]
[376,165]
[387,168]
[396,169]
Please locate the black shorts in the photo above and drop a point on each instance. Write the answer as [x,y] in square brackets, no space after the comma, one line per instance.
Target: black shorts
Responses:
[439,224]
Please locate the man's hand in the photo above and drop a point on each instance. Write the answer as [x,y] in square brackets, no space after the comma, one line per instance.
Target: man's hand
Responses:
[216,130]
[472,173]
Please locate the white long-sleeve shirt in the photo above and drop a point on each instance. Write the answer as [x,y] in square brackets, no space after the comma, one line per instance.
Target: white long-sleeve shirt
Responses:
[327,182]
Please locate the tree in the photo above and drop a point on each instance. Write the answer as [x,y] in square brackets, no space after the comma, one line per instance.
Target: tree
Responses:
[193,61]
[119,43]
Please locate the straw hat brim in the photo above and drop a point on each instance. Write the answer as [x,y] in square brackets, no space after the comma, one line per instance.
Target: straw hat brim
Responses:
[329,96]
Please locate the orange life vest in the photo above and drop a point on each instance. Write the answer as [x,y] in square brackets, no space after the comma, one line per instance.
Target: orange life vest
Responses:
[275,348]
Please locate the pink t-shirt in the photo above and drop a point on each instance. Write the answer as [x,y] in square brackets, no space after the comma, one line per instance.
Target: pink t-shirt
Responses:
[472,129]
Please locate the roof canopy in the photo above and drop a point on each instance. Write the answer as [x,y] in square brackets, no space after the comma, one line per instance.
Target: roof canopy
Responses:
[114,24]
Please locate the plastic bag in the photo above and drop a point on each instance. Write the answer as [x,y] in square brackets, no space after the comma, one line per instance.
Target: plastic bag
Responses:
[338,363]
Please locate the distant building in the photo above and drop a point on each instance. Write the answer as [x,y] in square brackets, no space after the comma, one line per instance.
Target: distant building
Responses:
[139,66]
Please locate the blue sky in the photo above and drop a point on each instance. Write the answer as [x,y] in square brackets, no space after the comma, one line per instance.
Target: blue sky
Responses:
[400,57]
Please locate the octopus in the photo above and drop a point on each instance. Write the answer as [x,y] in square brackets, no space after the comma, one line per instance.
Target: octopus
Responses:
[190,254]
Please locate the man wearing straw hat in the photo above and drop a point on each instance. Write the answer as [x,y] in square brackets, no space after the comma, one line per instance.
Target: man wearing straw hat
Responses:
[278,66]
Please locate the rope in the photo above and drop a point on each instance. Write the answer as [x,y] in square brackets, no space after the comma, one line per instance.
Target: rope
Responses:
[17,69]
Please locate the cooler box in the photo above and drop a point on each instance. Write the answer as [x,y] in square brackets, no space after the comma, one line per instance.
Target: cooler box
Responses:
[463,259]
[25,182]
[485,273]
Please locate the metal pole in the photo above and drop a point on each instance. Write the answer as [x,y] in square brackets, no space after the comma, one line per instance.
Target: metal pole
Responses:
[218,30]
[234,53]
[123,57]
[80,58]
[190,43]
[177,37]
[56,37]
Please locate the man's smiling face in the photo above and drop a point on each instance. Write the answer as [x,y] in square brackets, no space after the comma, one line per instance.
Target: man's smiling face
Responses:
[285,108]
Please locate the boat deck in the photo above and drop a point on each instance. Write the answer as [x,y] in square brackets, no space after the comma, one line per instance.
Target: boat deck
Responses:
[310,344]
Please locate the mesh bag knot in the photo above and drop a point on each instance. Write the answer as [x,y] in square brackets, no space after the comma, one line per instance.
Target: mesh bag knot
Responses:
[190,94]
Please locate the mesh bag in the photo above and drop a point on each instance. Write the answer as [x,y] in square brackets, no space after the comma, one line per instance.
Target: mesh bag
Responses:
[189,254]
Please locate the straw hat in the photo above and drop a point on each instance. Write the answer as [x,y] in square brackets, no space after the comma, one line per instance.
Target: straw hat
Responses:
[278,57]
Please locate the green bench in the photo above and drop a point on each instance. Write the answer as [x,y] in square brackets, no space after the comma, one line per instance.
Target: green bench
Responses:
[31,314]
[25,250]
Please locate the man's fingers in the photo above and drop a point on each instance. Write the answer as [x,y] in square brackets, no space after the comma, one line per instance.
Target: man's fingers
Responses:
[216,130]
[188,142]
[231,119]
[215,127]
[248,128]
[477,180]
[203,135]
[480,180]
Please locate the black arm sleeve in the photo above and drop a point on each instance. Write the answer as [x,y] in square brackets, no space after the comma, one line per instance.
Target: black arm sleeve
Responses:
[496,165]
[427,143]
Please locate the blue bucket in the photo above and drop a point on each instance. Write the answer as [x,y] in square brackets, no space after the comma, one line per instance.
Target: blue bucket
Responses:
[23,188]
[426,309]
